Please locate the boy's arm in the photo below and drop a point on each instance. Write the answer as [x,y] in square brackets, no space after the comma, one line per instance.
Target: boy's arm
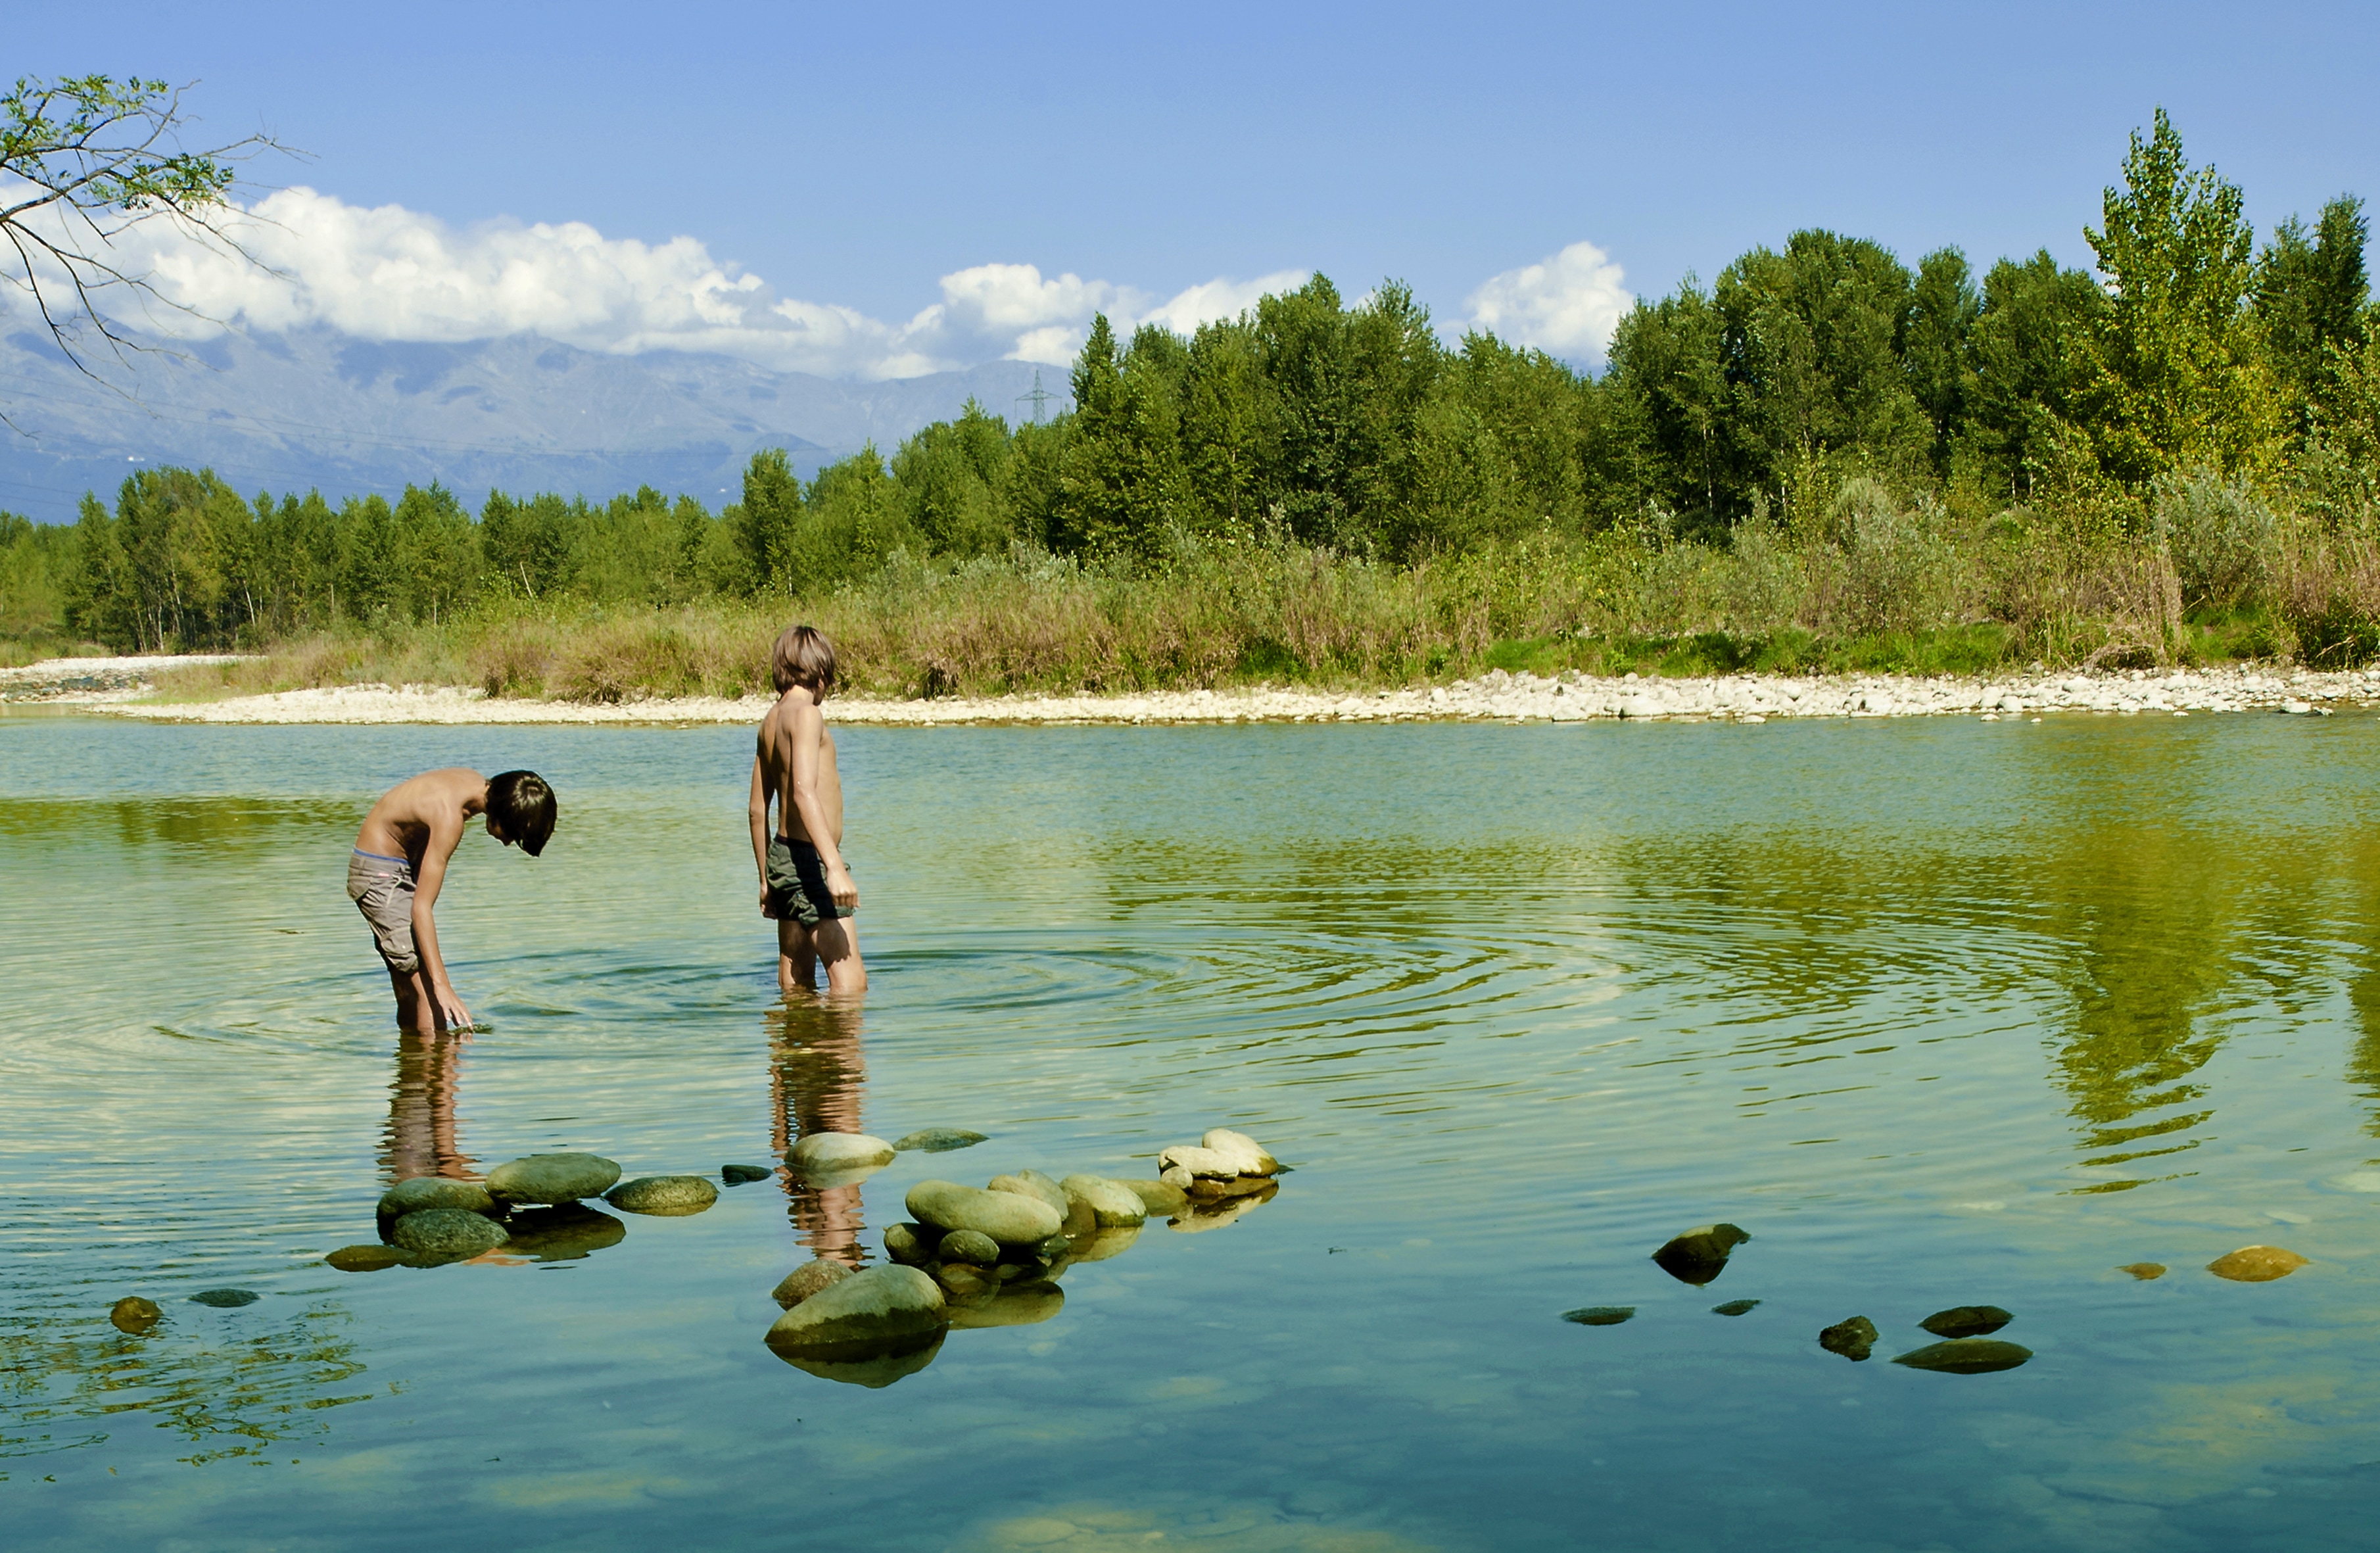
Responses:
[445,832]
[808,725]
[760,817]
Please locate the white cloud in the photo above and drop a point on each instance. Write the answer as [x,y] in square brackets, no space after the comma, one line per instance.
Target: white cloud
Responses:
[385,272]
[1567,306]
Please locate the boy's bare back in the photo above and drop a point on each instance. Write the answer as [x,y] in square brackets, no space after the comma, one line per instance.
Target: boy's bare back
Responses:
[806,888]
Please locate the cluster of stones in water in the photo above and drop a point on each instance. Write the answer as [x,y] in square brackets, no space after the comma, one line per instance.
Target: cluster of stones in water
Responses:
[973,1256]
[532,1206]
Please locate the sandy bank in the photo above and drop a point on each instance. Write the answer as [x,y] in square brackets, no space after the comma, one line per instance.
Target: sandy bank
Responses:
[114,686]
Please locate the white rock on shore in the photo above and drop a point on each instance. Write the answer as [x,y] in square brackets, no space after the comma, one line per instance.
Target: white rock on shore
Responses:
[1496,695]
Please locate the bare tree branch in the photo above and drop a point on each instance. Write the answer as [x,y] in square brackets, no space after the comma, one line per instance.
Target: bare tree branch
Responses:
[85,160]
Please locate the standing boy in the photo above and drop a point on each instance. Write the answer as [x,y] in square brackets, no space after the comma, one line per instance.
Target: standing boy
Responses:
[400,862]
[805,888]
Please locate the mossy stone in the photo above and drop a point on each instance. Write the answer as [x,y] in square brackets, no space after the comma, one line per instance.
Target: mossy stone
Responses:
[1967,1321]
[552,1178]
[1599,1316]
[808,1279]
[368,1258]
[424,1192]
[1700,1255]
[937,1140]
[970,1246]
[663,1194]
[737,1175]
[225,1299]
[1853,1339]
[448,1232]
[134,1315]
[1966,1357]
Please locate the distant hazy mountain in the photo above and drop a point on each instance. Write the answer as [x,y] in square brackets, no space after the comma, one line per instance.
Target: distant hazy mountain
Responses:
[319,409]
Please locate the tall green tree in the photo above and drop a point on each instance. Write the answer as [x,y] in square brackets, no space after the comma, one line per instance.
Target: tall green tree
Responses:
[2181,379]
[2312,293]
[2032,360]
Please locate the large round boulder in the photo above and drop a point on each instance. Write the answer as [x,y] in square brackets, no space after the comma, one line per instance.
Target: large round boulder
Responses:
[1113,1204]
[1246,1156]
[1160,1198]
[883,1309]
[1034,1184]
[552,1178]
[1009,1218]
[448,1232]
[423,1191]
[665,1195]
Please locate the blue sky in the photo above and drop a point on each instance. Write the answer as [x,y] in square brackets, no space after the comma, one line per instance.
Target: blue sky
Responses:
[852,158]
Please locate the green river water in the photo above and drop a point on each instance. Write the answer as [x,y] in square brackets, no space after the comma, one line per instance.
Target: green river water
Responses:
[1941,1012]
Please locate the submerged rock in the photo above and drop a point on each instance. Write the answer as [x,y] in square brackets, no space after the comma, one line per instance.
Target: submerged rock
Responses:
[1246,1156]
[1113,1204]
[1009,1217]
[1735,1307]
[875,1373]
[552,1178]
[1019,1305]
[1159,1197]
[663,1194]
[449,1231]
[1699,1256]
[1851,1339]
[2256,1264]
[970,1246]
[808,1279]
[2144,1271]
[424,1192]
[737,1175]
[1033,1185]
[134,1315]
[1967,1321]
[912,1244]
[368,1258]
[1601,1316]
[838,1154]
[937,1140]
[880,1310]
[563,1233]
[225,1299]
[1966,1357]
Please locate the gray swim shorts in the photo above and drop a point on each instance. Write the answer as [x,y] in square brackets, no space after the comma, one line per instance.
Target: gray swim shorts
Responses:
[382,888]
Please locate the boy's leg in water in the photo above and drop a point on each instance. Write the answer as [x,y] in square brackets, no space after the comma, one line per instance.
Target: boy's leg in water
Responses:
[797,960]
[839,947]
[416,1009]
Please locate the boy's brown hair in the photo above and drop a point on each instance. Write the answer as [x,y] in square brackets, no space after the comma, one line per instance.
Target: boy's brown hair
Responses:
[806,658]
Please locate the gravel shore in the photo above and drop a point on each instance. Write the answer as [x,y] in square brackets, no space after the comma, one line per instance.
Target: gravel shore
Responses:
[115,685]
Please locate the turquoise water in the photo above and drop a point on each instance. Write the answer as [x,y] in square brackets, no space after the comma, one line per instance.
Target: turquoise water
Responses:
[1941,1012]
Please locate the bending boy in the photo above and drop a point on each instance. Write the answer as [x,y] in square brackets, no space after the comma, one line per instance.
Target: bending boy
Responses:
[400,862]
[805,888]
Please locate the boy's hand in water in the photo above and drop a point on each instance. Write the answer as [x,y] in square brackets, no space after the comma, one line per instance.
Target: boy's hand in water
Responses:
[451,1010]
[839,884]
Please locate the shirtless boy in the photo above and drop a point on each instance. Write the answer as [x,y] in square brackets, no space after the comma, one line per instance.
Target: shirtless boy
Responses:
[400,862]
[805,888]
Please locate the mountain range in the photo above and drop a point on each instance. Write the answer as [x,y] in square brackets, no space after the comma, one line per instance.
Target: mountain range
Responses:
[318,409]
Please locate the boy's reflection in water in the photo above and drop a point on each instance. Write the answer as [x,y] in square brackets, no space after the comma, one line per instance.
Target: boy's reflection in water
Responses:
[816,1077]
[420,1135]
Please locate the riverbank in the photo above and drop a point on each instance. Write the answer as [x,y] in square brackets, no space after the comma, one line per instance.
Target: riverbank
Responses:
[120,686]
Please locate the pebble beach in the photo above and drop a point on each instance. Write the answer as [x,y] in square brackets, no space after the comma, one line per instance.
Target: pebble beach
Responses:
[121,686]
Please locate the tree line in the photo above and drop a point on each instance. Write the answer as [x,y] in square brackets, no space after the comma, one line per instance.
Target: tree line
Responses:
[2039,395]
